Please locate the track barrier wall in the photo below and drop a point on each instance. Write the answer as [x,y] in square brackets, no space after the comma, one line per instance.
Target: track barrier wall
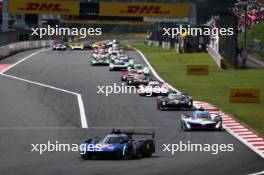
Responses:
[20,46]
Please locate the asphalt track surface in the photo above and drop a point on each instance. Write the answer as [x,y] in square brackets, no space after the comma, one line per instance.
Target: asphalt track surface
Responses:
[32,114]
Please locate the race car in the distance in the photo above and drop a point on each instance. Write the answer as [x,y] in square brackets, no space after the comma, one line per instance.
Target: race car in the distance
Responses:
[128,73]
[119,144]
[174,101]
[59,47]
[201,120]
[98,45]
[138,79]
[76,45]
[118,55]
[140,68]
[100,59]
[120,63]
[154,88]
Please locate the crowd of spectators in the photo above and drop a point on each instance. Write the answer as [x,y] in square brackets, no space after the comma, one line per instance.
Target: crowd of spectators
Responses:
[255,13]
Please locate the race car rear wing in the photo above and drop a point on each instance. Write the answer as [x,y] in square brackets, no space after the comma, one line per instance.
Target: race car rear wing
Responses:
[131,133]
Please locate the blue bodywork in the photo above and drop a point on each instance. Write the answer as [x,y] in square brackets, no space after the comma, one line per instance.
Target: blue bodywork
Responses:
[111,145]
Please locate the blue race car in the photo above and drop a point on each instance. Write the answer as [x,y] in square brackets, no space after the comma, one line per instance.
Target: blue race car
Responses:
[201,120]
[119,144]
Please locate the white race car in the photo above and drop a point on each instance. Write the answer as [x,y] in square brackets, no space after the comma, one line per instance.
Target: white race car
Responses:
[118,64]
[59,47]
[140,68]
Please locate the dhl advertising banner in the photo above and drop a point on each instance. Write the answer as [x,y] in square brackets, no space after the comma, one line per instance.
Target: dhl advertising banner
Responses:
[61,7]
[197,69]
[244,95]
[145,9]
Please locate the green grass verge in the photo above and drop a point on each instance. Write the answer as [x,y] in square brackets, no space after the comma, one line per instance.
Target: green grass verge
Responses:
[213,88]
[254,33]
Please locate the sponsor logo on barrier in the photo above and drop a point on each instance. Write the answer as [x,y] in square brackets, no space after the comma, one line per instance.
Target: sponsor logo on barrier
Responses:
[244,95]
[181,10]
[44,7]
[144,9]
[197,70]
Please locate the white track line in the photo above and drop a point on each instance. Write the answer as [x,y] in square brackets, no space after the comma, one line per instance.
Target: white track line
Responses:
[22,60]
[209,106]
[79,96]
[153,70]
[82,111]
[259,173]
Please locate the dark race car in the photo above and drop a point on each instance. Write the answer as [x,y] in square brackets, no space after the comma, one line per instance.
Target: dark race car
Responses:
[174,101]
[119,144]
[154,88]
[138,79]
[201,120]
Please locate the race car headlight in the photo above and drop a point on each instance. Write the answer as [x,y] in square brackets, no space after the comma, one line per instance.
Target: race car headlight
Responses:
[163,103]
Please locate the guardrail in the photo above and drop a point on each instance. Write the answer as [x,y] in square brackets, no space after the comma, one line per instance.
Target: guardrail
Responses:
[20,46]
[216,57]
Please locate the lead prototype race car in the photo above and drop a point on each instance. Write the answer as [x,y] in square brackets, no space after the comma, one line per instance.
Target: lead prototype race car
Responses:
[119,144]
[174,101]
[201,120]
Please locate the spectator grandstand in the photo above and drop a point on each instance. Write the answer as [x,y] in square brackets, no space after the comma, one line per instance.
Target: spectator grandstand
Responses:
[254,14]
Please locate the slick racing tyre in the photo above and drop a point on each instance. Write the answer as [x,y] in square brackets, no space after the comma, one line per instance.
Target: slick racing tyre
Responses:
[146,152]
[160,107]
[128,152]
